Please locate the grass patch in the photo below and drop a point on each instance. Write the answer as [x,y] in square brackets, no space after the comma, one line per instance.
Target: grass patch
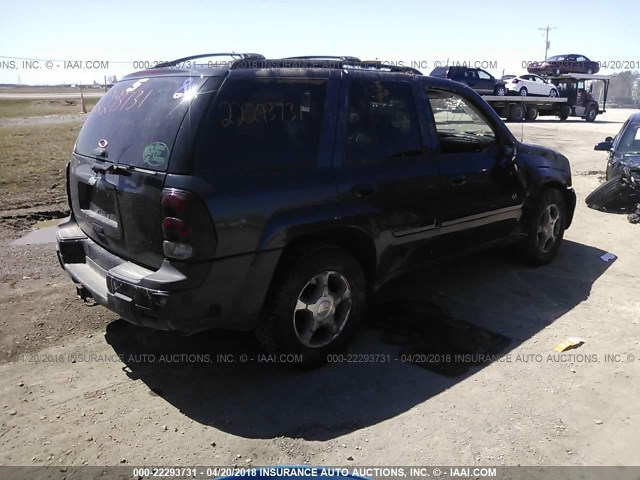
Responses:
[45,89]
[33,159]
[30,107]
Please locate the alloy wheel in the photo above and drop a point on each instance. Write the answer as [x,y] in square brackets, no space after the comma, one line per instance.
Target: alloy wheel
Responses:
[322,309]
[548,228]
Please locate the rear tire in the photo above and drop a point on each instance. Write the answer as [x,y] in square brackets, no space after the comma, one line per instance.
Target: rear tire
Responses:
[315,303]
[532,114]
[564,113]
[545,226]
[516,113]
[607,194]
[523,92]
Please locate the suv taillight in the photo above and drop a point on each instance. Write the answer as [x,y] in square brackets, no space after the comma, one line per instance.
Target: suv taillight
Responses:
[187,228]
[515,80]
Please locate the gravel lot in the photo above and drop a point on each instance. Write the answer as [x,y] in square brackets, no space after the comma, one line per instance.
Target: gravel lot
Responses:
[80,387]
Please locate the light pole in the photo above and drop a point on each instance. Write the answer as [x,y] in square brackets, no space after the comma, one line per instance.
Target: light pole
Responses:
[546,42]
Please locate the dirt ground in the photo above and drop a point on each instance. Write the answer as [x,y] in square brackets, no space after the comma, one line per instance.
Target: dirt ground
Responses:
[80,387]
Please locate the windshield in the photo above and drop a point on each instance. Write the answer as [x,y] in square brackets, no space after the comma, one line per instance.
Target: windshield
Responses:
[630,141]
[137,121]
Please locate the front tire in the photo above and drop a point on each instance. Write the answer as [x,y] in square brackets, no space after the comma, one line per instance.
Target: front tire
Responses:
[314,305]
[553,93]
[592,113]
[500,91]
[545,226]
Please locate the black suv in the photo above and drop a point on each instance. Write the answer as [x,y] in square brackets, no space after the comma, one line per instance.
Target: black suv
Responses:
[481,81]
[277,195]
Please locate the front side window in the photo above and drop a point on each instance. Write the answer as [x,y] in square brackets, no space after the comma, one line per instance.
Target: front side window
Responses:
[263,124]
[382,123]
[460,126]
[484,75]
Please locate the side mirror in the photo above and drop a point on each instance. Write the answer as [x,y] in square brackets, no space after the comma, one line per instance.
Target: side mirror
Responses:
[605,146]
[609,139]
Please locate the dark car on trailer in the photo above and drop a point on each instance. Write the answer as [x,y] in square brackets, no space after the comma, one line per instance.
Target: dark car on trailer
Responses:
[476,78]
[561,64]
[277,195]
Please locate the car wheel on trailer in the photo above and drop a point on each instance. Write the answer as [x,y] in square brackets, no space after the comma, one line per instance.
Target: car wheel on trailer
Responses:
[592,113]
[314,305]
[523,92]
[590,71]
[556,71]
[499,90]
[553,93]
[516,113]
[532,113]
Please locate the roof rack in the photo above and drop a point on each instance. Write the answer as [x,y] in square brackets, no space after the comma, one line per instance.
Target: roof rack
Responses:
[324,57]
[380,65]
[338,63]
[235,56]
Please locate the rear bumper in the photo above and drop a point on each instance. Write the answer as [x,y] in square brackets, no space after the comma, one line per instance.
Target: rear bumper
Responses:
[188,298]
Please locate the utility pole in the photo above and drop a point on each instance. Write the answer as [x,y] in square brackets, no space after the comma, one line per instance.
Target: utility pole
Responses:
[546,42]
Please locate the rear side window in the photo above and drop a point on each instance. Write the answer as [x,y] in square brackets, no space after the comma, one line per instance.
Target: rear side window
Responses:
[439,72]
[382,124]
[137,121]
[263,124]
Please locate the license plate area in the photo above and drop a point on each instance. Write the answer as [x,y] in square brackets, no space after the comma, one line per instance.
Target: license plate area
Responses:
[99,203]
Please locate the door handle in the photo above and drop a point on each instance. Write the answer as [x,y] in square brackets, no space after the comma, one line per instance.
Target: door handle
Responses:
[360,191]
[457,181]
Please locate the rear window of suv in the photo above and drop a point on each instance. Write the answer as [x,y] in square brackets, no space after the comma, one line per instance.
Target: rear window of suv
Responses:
[137,121]
[439,72]
[263,124]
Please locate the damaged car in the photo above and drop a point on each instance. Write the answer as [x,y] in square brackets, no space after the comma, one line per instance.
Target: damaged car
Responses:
[276,195]
[622,187]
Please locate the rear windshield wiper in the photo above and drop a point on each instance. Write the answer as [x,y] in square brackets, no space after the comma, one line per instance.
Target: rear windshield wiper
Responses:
[113,169]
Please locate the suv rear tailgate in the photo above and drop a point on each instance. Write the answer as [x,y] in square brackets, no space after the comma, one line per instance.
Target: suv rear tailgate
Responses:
[119,165]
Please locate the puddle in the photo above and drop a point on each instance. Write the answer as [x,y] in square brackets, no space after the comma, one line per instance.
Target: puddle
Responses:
[47,223]
[42,234]
[430,338]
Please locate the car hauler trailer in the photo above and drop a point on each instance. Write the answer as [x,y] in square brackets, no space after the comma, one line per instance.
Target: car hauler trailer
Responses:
[575,99]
